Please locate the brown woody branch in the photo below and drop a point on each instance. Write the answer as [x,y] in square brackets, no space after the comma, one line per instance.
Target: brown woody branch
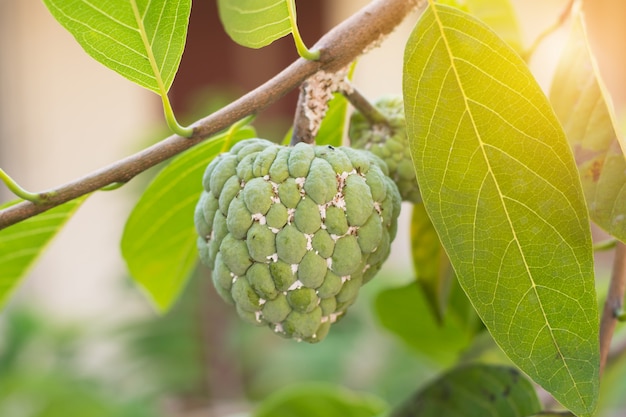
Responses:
[338,48]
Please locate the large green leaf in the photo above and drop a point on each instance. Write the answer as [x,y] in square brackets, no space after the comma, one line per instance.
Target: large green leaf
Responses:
[405,312]
[580,104]
[159,241]
[318,399]
[474,390]
[501,187]
[22,243]
[140,39]
[255,23]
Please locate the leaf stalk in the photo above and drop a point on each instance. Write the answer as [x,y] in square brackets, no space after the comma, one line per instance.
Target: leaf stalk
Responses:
[36,198]
[303,51]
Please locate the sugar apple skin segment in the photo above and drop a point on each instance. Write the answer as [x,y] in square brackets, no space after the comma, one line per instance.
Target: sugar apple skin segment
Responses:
[389,142]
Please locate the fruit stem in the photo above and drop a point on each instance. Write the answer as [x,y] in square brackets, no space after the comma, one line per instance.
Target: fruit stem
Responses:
[172,123]
[303,51]
[37,198]
[371,113]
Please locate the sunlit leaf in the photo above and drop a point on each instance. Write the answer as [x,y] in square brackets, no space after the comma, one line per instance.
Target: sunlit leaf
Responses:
[405,311]
[499,15]
[255,23]
[23,242]
[580,104]
[159,241]
[432,267]
[474,390]
[318,399]
[500,185]
[141,40]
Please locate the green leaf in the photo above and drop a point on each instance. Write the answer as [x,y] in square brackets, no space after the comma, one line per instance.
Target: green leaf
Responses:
[581,106]
[139,39]
[255,23]
[474,390]
[159,241]
[405,312]
[318,399]
[432,266]
[499,15]
[22,243]
[501,188]
[334,123]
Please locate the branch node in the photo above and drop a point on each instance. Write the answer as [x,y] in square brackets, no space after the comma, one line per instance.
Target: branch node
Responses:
[315,93]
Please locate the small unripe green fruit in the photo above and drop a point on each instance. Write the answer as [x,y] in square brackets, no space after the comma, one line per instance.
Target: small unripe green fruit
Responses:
[389,142]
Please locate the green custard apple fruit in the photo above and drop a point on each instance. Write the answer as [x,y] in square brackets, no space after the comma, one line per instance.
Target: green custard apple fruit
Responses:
[389,142]
[291,233]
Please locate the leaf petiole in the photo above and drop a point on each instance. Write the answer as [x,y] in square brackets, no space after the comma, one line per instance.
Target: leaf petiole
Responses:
[172,123]
[113,186]
[15,188]
[234,128]
[303,51]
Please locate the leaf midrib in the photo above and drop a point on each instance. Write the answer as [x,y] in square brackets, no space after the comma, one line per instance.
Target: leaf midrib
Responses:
[148,47]
[500,195]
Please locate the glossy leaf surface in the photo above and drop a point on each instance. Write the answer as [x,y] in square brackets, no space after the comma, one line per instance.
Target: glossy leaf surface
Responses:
[581,106]
[159,241]
[141,40]
[500,184]
[474,390]
[22,243]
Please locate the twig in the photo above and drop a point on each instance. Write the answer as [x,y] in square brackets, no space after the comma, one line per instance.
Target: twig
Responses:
[613,304]
[367,109]
[551,29]
[338,48]
[301,131]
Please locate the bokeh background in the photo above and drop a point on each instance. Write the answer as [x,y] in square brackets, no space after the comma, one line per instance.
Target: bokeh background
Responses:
[77,334]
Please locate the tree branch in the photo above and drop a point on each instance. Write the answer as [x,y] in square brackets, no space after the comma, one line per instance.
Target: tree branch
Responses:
[613,304]
[338,48]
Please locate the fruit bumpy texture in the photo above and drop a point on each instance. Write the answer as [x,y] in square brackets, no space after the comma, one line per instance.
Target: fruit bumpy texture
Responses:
[291,233]
[389,142]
